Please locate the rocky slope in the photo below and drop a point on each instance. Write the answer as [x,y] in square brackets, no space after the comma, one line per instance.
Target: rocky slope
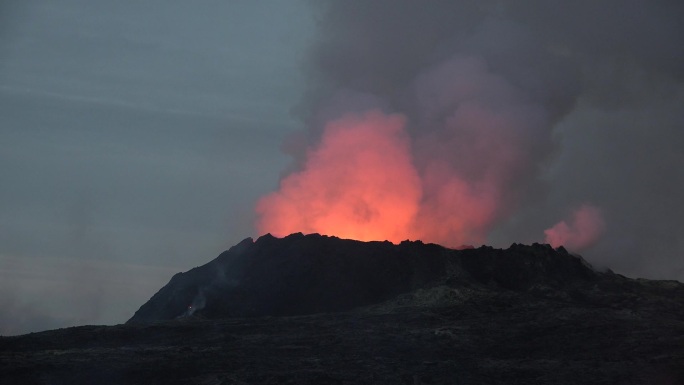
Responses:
[309,274]
[320,310]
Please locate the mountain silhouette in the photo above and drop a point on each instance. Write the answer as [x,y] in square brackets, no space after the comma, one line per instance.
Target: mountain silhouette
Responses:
[313,309]
[308,274]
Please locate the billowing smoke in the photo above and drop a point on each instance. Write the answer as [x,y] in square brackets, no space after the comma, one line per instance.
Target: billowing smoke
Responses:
[359,182]
[582,231]
[458,122]
[478,140]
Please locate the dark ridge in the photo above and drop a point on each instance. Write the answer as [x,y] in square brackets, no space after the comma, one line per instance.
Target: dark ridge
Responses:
[375,313]
[307,274]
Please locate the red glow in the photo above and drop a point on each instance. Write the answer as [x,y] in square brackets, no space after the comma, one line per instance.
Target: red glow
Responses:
[358,183]
[476,145]
[583,231]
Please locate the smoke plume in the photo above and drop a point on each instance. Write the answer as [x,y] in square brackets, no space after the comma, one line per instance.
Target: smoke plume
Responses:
[583,231]
[359,183]
[459,122]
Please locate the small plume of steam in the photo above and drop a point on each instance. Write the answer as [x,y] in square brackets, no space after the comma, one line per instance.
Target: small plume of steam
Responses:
[198,303]
[221,279]
[583,231]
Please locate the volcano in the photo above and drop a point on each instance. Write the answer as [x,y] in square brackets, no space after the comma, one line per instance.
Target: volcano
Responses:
[299,274]
[313,309]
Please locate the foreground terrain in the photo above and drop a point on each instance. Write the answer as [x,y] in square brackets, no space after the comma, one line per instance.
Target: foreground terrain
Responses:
[462,321]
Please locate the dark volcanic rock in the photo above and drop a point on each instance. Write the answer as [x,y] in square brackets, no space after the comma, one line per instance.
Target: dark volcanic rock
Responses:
[310,274]
[287,311]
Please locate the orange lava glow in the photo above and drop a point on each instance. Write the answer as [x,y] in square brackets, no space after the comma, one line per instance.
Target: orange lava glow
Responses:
[358,183]
[361,182]
[471,160]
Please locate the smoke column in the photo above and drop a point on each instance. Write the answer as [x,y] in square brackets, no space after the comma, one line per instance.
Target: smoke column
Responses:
[468,122]
[455,155]
[361,180]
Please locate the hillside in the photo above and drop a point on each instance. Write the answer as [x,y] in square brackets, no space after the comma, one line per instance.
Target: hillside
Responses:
[301,274]
[321,310]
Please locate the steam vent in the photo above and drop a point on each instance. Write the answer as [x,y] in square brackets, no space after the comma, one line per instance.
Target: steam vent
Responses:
[312,309]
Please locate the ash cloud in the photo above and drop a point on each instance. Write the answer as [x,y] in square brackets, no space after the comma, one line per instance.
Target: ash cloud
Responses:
[517,114]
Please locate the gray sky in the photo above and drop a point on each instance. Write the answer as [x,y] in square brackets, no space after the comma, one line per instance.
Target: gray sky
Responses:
[134,139]
[136,136]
